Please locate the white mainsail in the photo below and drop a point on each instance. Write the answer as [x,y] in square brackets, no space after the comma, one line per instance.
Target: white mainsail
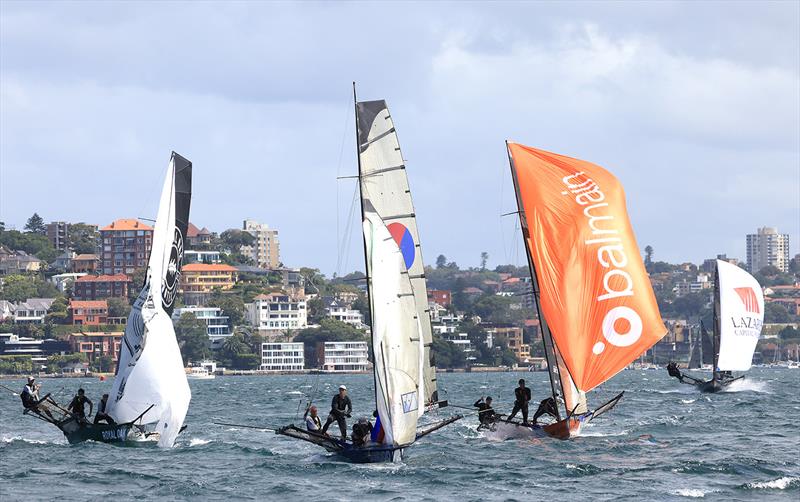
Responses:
[384,181]
[150,371]
[396,335]
[740,316]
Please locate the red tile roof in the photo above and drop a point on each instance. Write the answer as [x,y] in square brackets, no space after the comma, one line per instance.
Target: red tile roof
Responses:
[127,224]
[193,231]
[208,267]
[85,257]
[88,304]
[104,278]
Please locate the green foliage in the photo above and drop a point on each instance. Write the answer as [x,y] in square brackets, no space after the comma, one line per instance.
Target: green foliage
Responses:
[16,365]
[484,259]
[18,288]
[441,261]
[234,239]
[772,276]
[83,238]
[192,336]
[118,307]
[774,312]
[447,354]
[35,224]
[58,362]
[690,306]
[497,309]
[236,353]
[32,243]
[231,304]
[789,333]
[103,364]
[316,310]
[329,330]
[362,305]
[648,256]
[660,267]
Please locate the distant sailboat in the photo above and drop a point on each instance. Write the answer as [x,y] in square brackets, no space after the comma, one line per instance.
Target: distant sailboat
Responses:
[405,378]
[738,316]
[596,306]
[150,395]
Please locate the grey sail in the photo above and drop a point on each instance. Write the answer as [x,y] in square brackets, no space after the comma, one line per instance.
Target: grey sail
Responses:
[385,185]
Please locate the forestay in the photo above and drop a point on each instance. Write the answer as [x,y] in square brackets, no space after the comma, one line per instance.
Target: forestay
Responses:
[741,314]
[595,295]
[384,182]
[396,336]
[150,368]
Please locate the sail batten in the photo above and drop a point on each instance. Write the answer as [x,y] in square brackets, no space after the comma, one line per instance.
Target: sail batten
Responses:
[150,367]
[592,289]
[384,184]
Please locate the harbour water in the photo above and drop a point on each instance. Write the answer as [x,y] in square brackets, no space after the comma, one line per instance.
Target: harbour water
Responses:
[665,441]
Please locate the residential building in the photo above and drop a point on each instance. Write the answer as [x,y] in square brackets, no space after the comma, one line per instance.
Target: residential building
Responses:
[685,287]
[58,234]
[791,304]
[97,344]
[195,256]
[63,261]
[217,324]
[38,350]
[125,246]
[767,247]
[343,357]
[265,250]
[462,341]
[99,287]
[32,310]
[514,340]
[339,310]
[446,324]
[85,263]
[710,265]
[198,280]
[7,311]
[65,282]
[440,296]
[282,356]
[91,312]
[277,312]
[19,262]
[196,237]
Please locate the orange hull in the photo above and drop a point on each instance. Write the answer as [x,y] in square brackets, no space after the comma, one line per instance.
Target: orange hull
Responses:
[565,429]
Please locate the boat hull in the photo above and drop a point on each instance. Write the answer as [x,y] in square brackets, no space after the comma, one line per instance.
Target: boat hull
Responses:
[344,449]
[564,429]
[118,434]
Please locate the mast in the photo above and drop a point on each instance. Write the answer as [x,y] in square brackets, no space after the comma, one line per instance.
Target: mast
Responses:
[552,362]
[364,241]
[715,345]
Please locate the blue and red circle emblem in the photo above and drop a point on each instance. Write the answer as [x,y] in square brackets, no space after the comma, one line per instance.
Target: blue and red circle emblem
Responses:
[404,241]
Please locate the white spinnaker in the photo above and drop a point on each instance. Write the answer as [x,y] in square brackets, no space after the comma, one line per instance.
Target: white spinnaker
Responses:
[385,183]
[150,370]
[396,337]
[741,314]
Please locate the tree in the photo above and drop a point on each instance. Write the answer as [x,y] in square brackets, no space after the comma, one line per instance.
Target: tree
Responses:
[192,336]
[441,261]
[648,255]
[316,310]
[329,330]
[58,312]
[234,239]
[118,307]
[774,312]
[18,288]
[35,225]
[32,243]
[362,305]
[83,238]
[447,354]
[484,259]
[789,333]
[232,306]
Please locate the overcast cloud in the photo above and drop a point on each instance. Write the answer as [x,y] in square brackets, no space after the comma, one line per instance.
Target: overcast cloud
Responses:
[694,106]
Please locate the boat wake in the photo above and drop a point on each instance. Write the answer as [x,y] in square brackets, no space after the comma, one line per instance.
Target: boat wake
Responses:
[776,484]
[199,442]
[746,385]
[695,493]
[504,431]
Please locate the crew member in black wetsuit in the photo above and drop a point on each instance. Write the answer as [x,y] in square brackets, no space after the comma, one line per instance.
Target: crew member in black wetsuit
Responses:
[101,412]
[522,395]
[362,430]
[486,414]
[341,407]
[546,407]
[76,406]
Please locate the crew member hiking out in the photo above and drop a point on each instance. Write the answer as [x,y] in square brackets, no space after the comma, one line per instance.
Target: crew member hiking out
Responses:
[101,412]
[341,407]
[522,395]
[77,405]
[30,398]
[313,422]
[486,414]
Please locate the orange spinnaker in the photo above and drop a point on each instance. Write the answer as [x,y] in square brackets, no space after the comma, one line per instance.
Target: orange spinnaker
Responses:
[595,293]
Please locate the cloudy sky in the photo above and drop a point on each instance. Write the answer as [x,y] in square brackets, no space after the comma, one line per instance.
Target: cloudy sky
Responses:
[694,106]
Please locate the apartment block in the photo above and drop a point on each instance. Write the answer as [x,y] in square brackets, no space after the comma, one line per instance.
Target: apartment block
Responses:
[125,246]
[767,247]
[282,356]
[265,250]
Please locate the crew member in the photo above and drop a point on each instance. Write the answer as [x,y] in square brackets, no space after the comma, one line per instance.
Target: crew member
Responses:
[546,407]
[486,414]
[378,434]
[522,395]
[362,431]
[30,394]
[313,422]
[341,407]
[77,405]
[101,412]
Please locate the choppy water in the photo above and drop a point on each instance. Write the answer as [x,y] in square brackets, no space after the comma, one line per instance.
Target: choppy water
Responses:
[665,441]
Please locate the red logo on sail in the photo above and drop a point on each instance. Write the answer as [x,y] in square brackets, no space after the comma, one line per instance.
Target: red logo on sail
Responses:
[749,299]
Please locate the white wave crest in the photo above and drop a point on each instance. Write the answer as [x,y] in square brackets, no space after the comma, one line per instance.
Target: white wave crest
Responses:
[745,385]
[198,442]
[694,493]
[776,484]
